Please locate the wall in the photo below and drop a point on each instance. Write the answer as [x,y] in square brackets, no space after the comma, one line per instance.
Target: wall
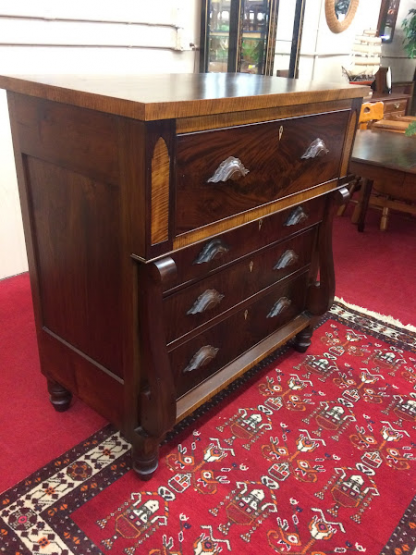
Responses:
[56,37]
[323,53]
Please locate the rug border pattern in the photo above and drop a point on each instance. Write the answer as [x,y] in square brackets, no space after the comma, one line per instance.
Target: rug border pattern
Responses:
[115,468]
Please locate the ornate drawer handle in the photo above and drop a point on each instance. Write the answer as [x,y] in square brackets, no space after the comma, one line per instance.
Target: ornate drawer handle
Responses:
[231,168]
[397,105]
[282,304]
[208,300]
[315,149]
[296,216]
[201,358]
[213,249]
[287,259]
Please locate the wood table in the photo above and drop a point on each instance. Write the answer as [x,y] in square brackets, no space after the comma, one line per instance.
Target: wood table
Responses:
[389,159]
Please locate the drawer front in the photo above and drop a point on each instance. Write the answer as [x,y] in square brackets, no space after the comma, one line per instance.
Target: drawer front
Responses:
[226,172]
[196,305]
[207,353]
[394,108]
[202,259]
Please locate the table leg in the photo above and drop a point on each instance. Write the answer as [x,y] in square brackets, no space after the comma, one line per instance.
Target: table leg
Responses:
[367,187]
[384,218]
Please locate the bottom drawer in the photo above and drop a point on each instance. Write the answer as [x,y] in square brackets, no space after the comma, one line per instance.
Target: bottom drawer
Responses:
[207,353]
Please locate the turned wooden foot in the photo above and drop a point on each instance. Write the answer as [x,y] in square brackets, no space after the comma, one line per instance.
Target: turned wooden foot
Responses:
[59,396]
[303,339]
[144,464]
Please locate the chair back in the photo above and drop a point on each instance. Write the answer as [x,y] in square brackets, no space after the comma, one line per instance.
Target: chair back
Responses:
[370,111]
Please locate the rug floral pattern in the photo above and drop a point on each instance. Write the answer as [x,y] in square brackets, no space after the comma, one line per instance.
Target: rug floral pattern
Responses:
[311,454]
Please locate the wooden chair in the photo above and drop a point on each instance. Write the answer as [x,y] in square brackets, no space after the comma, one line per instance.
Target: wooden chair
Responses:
[370,112]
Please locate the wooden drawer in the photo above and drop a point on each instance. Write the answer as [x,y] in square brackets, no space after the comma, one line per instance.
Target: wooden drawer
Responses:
[395,108]
[196,305]
[204,355]
[276,161]
[202,259]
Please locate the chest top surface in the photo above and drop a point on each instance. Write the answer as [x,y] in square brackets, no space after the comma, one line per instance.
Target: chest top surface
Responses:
[155,97]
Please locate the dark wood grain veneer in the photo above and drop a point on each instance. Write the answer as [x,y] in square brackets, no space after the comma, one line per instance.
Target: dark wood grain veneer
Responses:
[235,284]
[274,158]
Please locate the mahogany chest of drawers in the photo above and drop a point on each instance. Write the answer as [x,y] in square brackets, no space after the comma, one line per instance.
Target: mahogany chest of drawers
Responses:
[175,226]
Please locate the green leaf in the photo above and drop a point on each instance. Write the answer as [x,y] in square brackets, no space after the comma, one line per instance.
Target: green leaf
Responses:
[409,29]
[411,129]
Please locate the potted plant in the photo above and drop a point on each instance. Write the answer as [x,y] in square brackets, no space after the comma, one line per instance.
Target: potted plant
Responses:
[409,28]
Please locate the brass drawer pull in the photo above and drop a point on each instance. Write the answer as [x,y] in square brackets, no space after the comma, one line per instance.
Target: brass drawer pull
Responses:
[230,168]
[282,304]
[287,259]
[212,250]
[397,105]
[296,216]
[208,300]
[315,149]
[202,358]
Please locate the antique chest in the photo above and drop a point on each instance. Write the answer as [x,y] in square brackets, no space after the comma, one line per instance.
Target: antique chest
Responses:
[175,227]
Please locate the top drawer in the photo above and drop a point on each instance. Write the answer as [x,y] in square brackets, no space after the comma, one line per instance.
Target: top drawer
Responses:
[225,172]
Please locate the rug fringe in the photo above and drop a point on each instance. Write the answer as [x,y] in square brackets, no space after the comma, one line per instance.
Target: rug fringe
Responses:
[382,317]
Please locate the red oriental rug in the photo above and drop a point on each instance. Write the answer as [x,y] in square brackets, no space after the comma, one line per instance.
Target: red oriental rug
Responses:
[307,454]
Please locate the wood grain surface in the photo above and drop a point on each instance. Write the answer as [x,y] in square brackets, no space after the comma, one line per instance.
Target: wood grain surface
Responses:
[236,284]
[250,325]
[155,97]
[160,192]
[386,150]
[201,123]
[274,155]
[240,242]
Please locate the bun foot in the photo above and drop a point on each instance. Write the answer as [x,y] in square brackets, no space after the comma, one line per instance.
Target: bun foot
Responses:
[59,396]
[303,340]
[144,465]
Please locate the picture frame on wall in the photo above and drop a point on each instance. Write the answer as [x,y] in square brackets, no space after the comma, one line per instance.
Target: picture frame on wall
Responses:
[387,20]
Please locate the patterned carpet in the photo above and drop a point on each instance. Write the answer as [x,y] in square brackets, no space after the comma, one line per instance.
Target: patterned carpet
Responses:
[308,454]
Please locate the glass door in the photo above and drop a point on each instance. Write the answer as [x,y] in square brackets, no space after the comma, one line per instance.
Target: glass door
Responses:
[218,38]
[255,19]
[238,35]
[248,36]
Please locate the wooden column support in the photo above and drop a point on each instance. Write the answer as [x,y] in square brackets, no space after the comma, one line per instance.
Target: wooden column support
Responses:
[321,294]
[157,402]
